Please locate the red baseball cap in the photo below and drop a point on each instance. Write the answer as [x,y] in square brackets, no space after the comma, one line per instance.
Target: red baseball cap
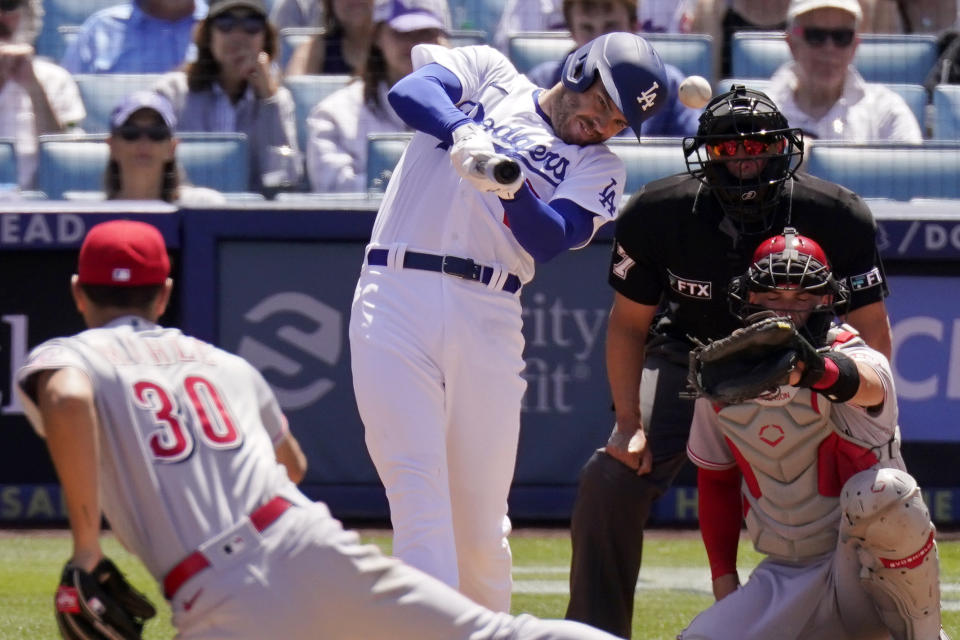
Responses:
[123,253]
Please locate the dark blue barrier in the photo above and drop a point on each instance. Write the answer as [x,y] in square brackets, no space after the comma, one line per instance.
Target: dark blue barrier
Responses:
[275,286]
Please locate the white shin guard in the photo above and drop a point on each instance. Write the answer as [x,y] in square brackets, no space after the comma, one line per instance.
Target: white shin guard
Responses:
[885,517]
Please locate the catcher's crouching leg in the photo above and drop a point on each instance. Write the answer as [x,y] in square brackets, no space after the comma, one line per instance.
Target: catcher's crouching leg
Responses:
[885,516]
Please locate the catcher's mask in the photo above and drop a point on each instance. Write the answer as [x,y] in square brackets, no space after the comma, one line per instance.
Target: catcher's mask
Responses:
[791,262]
[744,119]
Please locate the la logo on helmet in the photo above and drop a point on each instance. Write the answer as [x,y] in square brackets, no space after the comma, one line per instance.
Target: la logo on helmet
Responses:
[648,98]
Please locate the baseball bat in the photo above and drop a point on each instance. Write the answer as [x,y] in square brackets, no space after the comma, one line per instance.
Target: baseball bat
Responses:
[500,169]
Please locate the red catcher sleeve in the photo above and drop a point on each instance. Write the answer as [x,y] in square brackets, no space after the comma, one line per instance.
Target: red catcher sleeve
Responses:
[720,517]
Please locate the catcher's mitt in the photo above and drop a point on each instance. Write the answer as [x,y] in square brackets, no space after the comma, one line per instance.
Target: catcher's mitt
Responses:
[100,604]
[752,361]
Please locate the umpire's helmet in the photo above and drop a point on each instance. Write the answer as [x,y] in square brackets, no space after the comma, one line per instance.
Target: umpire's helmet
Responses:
[746,117]
[790,261]
[631,72]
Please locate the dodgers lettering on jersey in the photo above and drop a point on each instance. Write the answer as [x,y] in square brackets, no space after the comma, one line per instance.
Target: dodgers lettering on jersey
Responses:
[459,220]
[174,413]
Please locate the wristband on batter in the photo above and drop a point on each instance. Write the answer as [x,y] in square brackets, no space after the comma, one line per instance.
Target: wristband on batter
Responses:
[841,378]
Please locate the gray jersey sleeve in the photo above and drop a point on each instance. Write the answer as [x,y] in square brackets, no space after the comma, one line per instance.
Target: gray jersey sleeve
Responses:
[270,413]
[50,355]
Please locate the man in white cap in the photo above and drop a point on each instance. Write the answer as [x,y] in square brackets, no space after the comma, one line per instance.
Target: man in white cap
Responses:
[820,91]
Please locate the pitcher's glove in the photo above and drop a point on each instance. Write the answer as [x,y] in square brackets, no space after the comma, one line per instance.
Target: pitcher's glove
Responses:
[751,362]
[100,604]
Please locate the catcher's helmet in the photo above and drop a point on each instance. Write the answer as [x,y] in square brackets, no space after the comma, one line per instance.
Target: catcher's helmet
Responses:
[749,118]
[791,262]
[631,72]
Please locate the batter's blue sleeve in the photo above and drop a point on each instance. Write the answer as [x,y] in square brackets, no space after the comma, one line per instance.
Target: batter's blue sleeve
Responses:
[426,100]
[547,230]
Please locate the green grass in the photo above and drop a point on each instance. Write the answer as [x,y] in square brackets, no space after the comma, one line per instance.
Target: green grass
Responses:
[30,563]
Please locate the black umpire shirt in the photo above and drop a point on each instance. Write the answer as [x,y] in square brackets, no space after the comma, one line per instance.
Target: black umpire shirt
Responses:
[672,247]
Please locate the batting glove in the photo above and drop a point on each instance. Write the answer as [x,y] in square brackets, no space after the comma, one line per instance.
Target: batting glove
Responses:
[475,159]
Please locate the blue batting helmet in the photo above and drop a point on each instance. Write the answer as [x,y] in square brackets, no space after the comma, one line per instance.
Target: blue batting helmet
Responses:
[631,72]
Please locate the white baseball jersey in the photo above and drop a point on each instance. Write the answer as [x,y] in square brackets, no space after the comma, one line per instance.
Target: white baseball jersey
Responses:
[800,449]
[459,220]
[184,455]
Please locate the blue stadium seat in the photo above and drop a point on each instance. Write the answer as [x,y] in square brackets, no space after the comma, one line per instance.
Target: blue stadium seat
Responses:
[51,41]
[946,108]
[479,15]
[76,163]
[898,172]
[915,95]
[650,160]
[8,162]
[383,154]
[293,37]
[466,37]
[690,52]
[101,92]
[888,58]
[307,91]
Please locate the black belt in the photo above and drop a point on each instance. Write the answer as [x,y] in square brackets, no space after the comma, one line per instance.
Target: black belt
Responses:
[451,265]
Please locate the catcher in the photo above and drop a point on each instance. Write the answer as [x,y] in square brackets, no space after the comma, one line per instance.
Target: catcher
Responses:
[796,427]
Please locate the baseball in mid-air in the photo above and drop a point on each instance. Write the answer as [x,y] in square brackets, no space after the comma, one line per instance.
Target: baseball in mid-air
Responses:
[695,92]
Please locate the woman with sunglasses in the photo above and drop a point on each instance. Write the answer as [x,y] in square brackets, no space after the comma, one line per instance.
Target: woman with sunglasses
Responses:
[142,164]
[234,86]
[344,43]
[339,125]
[822,93]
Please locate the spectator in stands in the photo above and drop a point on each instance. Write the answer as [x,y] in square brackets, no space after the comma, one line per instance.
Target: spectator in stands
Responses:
[297,13]
[587,19]
[937,17]
[234,86]
[653,16]
[36,96]
[344,43]
[917,16]
[821,92]
[339,124]
[140,36]
[142,164]
[722,18]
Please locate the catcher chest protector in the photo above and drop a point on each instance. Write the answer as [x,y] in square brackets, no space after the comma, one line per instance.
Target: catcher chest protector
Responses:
[745,114]
[791,262]
[794,511]
[631,71]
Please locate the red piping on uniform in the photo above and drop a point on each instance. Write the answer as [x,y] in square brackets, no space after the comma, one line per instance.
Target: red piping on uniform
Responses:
[912,561]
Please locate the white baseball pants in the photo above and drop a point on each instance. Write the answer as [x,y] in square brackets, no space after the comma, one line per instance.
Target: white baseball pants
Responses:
[436,371]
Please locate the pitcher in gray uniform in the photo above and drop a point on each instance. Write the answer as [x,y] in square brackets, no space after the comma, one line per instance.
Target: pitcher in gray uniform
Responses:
[814,469]
[184,448]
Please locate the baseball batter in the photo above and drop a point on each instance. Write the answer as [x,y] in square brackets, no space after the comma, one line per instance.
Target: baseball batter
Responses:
[435,330]
[815,470]
[180,444]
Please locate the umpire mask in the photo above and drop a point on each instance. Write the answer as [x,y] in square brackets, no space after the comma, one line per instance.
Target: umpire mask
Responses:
[744,152]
